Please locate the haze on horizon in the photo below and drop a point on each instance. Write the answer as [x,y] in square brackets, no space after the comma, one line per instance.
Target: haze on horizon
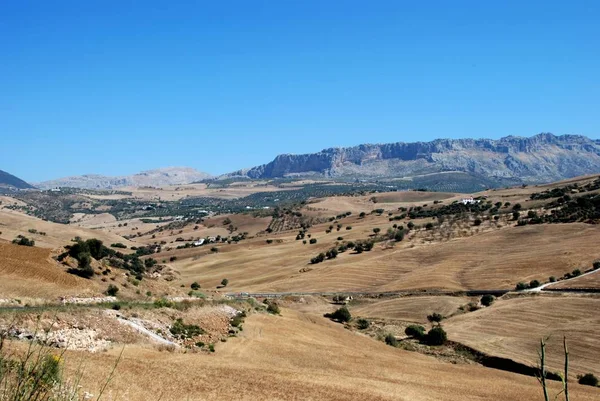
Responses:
[115,89]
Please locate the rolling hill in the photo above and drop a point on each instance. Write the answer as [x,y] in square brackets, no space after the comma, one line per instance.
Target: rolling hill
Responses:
[509,160]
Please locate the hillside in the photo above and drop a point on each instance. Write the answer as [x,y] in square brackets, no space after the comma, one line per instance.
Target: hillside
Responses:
[541,158]
[10,181]
[154,178]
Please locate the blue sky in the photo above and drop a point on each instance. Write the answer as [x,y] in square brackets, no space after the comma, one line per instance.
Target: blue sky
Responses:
[115,87]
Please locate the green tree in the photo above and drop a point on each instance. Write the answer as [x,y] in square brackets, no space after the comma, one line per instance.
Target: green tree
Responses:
[487,300]
[436,336]
[224,282]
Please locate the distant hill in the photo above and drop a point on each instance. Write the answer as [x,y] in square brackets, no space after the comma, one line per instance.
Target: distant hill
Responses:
[510,160]
[10,181]
[156,178]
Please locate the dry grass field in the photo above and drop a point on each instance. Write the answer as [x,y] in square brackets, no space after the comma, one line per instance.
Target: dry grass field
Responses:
[491,260]
[57,235]
[31,272]
[297,356]
[412,309]
[591,281]
[512,328]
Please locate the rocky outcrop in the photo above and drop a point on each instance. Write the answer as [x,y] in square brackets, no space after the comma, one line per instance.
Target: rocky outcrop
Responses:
[541,158]
[153,178]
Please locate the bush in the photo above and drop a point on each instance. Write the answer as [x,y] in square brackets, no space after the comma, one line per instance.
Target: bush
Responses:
[182,331]
[112,290]
[24,241]
[269,241]
[390,339]
[516,215]
[214,249]
[195,286]
[534,284]
[318,259]
[429,226]
[487,300]
[596,265]
[588,380]
[313,241]
[348,227]
[477,222]
[576,273]
[341,315]
[224,282]
[376,230]
[172,258]
[118,245]
[521,286]
[436,336]
[552,279]
[415,331]
[362,324]
[273,308]
[435,318]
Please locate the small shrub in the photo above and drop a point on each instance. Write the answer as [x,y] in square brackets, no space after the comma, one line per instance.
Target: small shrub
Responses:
[477,222]
[214,249]
[415,331]
[436,336]
[348,227]
[195,286]
[520,286]
[182,331]
[273,308]
[487,299]
[313,241]
[116,307]
[534,284]
[576,273]
[269,241]
[112,290]
[362,324]
[224,282]
[340,238]
[390,339]
[435,318]
[341,315]
[211,347]
[588,380]
[552,279]
[172,258]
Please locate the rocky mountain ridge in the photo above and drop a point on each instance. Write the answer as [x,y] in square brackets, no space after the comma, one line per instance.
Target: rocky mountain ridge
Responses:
[541,158]
[156,178]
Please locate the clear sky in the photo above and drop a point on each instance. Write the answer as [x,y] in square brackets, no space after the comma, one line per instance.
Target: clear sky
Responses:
[115,87]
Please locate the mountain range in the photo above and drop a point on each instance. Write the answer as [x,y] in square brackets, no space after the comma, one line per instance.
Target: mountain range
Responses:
[541,158]
[9,181]
[155,178]
[488,162]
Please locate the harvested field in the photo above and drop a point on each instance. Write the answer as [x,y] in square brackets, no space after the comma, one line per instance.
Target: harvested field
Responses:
[409,309]
[512,328]
[591,281]
[57,235]
[296,356]
[30,272]
[491,260]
